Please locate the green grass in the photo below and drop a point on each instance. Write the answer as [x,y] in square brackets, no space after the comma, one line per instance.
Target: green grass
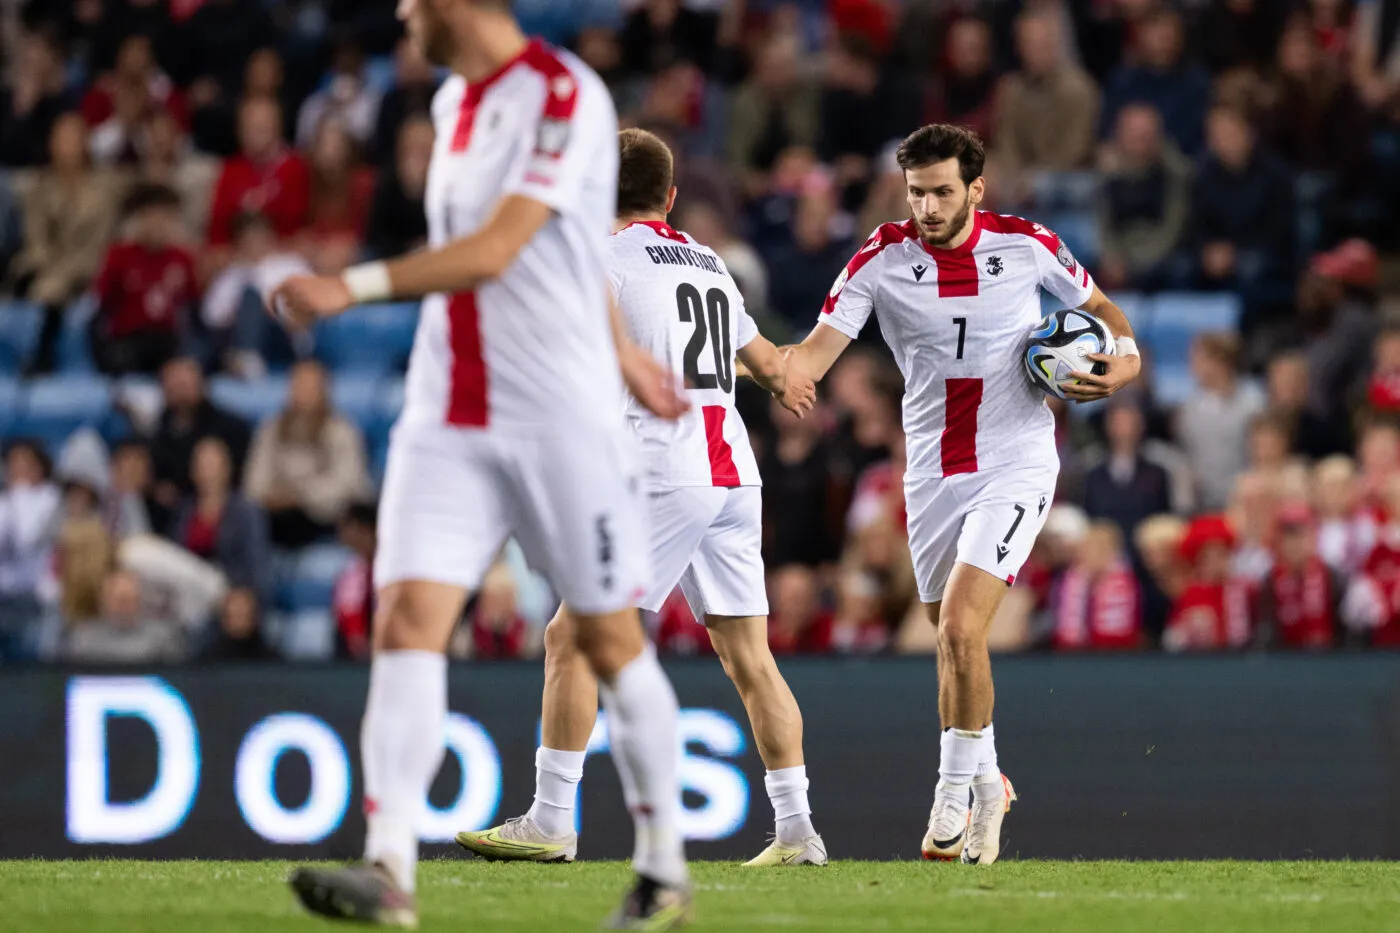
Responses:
[465,895]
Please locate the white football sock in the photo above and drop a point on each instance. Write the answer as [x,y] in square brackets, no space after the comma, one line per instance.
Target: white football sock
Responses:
[787,789]
[960,751]
[988,763]
[644,732]
[401,747]
[557,774]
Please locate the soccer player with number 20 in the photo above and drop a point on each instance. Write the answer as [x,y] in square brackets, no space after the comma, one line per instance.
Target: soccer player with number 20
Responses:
[957,293]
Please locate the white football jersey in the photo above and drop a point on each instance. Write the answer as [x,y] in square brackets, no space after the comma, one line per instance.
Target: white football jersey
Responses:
[535,345]
[957,321]
[682,307]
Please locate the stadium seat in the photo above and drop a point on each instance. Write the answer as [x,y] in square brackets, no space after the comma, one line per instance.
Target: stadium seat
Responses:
[322,563]
[1062,191]
[1080,232]
[74,351]
[1177,317]
[251,400]
[52,408]
[19,331]
[9,403]
[356,396]
[373,338]
[304,636]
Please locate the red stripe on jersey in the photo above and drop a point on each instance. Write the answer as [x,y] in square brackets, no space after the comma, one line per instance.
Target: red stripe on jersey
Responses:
[466,391]
[723,472]
[560,88]
[1009,223]
[660,229]
[466,117]
[884,235]
[959,446]
[957,274]
[1010,579]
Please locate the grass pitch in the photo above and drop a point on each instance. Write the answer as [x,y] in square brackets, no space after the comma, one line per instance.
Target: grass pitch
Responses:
[467,895]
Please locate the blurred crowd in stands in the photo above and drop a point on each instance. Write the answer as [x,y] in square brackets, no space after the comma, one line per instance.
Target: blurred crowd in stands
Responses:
[164,162]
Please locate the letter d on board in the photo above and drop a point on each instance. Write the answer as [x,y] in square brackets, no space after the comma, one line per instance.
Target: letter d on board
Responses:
[92,817]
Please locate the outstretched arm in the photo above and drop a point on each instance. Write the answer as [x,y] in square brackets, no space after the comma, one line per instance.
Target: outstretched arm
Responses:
[458,266]
[766,366]
[1121,367]
[816,354]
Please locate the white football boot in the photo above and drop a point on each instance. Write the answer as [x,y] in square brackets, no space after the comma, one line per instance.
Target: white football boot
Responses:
[984,823]
[947,822]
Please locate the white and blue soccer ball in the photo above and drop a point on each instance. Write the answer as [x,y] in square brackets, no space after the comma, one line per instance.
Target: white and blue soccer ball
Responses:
[1061,344]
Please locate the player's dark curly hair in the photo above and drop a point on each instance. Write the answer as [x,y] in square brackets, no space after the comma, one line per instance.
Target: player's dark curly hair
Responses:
[645,172]
[939,141]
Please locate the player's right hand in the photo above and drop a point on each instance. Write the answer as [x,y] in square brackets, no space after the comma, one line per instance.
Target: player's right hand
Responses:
[303,300]
[799,395]
[650,383]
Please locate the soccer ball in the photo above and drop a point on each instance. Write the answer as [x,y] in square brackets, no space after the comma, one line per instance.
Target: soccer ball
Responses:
[1061,344]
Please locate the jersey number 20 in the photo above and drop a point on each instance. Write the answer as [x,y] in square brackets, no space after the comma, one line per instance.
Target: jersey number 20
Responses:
[693,310]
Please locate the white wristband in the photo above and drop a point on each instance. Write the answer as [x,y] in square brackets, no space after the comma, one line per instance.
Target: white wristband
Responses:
[1126,346]
[369,281]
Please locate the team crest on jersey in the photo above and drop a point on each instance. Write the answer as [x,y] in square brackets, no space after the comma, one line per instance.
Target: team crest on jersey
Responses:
[839,283]
[1065,257]
[552,137]
[994,266]
[562,86]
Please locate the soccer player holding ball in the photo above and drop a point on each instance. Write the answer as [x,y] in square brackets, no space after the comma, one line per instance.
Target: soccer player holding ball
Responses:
[956,291]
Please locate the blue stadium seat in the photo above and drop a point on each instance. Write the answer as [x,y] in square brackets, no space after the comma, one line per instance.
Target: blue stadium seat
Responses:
[356,396]
[1080,232]
[1177,317]
[52,408]
[19,331]
[373,338]
[322,562]
[308,635]
[74,351]
[301,593]
[10,404]
[1061,191]
[251,400]
[1172,383]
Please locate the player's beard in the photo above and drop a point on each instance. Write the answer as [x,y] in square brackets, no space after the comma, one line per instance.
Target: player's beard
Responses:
[949,230]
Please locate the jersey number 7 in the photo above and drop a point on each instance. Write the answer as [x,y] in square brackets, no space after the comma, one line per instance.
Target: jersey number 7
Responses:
[693,310]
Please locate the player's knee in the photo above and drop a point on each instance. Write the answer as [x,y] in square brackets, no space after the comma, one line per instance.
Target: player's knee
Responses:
[560,636]
[609,643]
[961,638]
[402,623]
[748,665]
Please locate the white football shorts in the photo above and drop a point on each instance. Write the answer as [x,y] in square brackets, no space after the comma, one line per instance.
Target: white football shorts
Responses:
[988,519]
[709,539]
[569,494]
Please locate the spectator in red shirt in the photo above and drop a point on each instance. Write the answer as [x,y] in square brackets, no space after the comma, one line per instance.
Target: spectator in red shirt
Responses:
[1371,607]
[265,177]
[1212,612]
[353,597]
[797,624]
[1383,391]
[342,188]
[498,631]
[677,631]
[1099,604]
[121,102]
[1298,602]
[145,288]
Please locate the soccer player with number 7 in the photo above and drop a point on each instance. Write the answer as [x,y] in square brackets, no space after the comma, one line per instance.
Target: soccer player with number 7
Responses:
[957,293]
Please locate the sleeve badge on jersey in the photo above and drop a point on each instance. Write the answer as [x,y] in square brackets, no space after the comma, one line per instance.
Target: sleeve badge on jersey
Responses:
[1066,258]
[553,137]
[839,283]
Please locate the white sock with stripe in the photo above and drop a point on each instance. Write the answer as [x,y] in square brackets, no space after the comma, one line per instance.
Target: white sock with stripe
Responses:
[401,747]
[644,733]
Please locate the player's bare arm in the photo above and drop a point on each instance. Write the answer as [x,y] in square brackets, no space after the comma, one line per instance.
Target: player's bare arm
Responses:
[766,366]
[815,355]
[459,266]
[1121,368]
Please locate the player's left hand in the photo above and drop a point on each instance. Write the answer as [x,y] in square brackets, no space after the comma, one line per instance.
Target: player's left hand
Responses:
[1118,372]
[303,300]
